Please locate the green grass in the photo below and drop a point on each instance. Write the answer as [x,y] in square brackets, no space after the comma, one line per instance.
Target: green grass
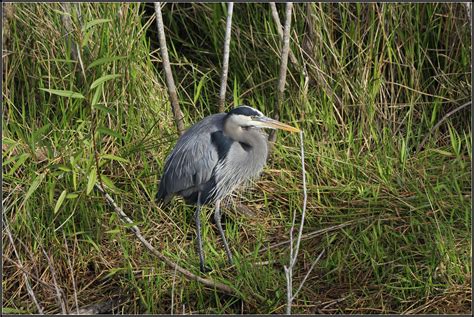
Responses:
[395,223]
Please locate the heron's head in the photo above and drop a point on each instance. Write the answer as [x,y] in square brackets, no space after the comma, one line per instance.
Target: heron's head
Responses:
[247,117]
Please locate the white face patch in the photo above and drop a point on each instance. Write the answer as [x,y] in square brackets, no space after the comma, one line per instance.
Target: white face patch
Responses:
[241,120]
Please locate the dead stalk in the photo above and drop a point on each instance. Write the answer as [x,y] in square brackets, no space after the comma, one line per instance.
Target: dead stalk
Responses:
[73,279]
[294,249]
[177,114]
[59,292]
[276,19]
[209,283]
[225,63]
[285,48]
[468,10]
[307,274]
[25,276]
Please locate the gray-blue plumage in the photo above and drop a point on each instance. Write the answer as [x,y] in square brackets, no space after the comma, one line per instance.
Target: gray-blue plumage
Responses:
[214,157]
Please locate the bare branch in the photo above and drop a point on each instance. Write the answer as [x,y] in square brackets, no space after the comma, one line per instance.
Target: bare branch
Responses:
[295,249]
[310,235]
[276,19]
[177,114]
[468,9]
[283,68]
[225,62]
[305,201]
[209,283]
[307,274]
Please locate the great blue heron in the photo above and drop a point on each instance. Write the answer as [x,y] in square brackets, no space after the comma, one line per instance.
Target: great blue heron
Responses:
[212,158]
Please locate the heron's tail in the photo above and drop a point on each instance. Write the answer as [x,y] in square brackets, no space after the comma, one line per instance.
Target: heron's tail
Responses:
[162,195]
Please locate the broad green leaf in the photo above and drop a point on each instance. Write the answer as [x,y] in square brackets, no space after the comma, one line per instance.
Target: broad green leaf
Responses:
[104,108]
[108,182]
[64,93]
[72,196]
[113,231]
[64,168]
[114,158]
[103,79]
[60,201]
[114,271]
[74,180]
[34,185]
[88,239]
[10,310]
[442,152]
[37,134]
[94,22]
[110,132]
[85,40]
[104,60]
[91,181]
[197,93]
[21,160]
[22,157]
[97,94]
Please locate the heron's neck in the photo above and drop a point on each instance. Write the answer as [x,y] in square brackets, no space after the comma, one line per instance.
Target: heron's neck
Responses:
[252,140]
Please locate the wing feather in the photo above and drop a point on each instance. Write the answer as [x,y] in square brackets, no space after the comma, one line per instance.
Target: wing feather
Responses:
[193,159]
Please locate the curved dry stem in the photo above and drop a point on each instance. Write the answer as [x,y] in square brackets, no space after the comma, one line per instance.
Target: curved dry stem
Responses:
[285,48]
[189,275]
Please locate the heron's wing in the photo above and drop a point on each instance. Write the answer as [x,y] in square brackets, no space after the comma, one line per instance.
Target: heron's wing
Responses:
[192,160]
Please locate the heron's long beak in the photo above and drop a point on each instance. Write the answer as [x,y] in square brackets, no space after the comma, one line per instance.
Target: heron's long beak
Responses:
[265,122]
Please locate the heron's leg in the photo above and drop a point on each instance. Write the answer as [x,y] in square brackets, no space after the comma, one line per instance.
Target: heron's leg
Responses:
[197,219]
[217,218]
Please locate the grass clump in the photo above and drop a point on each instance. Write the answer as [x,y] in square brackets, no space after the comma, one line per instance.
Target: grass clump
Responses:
[395,223]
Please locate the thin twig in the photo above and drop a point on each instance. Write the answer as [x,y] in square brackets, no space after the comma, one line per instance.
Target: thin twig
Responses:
[59,292]
[310,235]
[25,277]
[468,9]
[307,274]
[210,283]
[276,19]
[305,200]
[72,273]
[294,250]
[446,116]
[225,62]
[177,114]
[283,68]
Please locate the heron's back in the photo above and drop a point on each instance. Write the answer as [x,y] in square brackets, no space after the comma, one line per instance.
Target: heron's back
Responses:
[190,165]
[207,162]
